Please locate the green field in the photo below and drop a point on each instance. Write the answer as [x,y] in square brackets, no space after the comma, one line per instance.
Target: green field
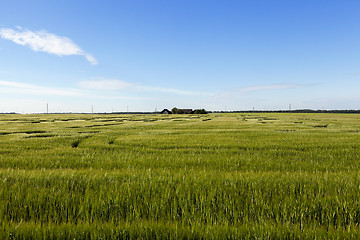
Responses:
[217,176]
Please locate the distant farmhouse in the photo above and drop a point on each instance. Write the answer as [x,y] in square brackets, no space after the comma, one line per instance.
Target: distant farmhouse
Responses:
[165,111]
[183,111]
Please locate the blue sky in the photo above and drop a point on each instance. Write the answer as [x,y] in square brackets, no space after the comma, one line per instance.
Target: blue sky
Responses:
[146,55]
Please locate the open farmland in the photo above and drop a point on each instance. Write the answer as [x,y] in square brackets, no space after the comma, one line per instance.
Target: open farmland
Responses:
[214,176]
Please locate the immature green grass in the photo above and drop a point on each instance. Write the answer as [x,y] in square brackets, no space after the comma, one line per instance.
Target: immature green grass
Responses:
[232,176]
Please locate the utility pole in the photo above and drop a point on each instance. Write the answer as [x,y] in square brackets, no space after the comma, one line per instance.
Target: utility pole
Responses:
[47,108]
[92,109]
[289,107]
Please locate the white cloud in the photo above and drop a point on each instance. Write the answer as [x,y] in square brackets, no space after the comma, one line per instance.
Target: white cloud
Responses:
[7,87]
[172,90]
[104,89]
[269,87]
[22,89]
[241,91]
[91,59]
[114,84]
[45,42]
[105,84]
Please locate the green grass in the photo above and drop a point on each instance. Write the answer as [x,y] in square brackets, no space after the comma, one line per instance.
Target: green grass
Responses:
[217,176]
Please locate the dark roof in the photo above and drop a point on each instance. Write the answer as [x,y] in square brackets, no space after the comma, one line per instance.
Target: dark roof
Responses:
[166,111]
[185,110]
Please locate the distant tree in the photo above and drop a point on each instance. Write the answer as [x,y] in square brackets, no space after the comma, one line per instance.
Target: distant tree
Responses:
[174,110]
[200,111]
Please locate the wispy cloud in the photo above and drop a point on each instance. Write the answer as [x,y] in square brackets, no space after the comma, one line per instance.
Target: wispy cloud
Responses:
[7,87]
[173,91]
[96,89]
[45,42]
[242,91]
[269,87]
[114,84]
[105,84]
